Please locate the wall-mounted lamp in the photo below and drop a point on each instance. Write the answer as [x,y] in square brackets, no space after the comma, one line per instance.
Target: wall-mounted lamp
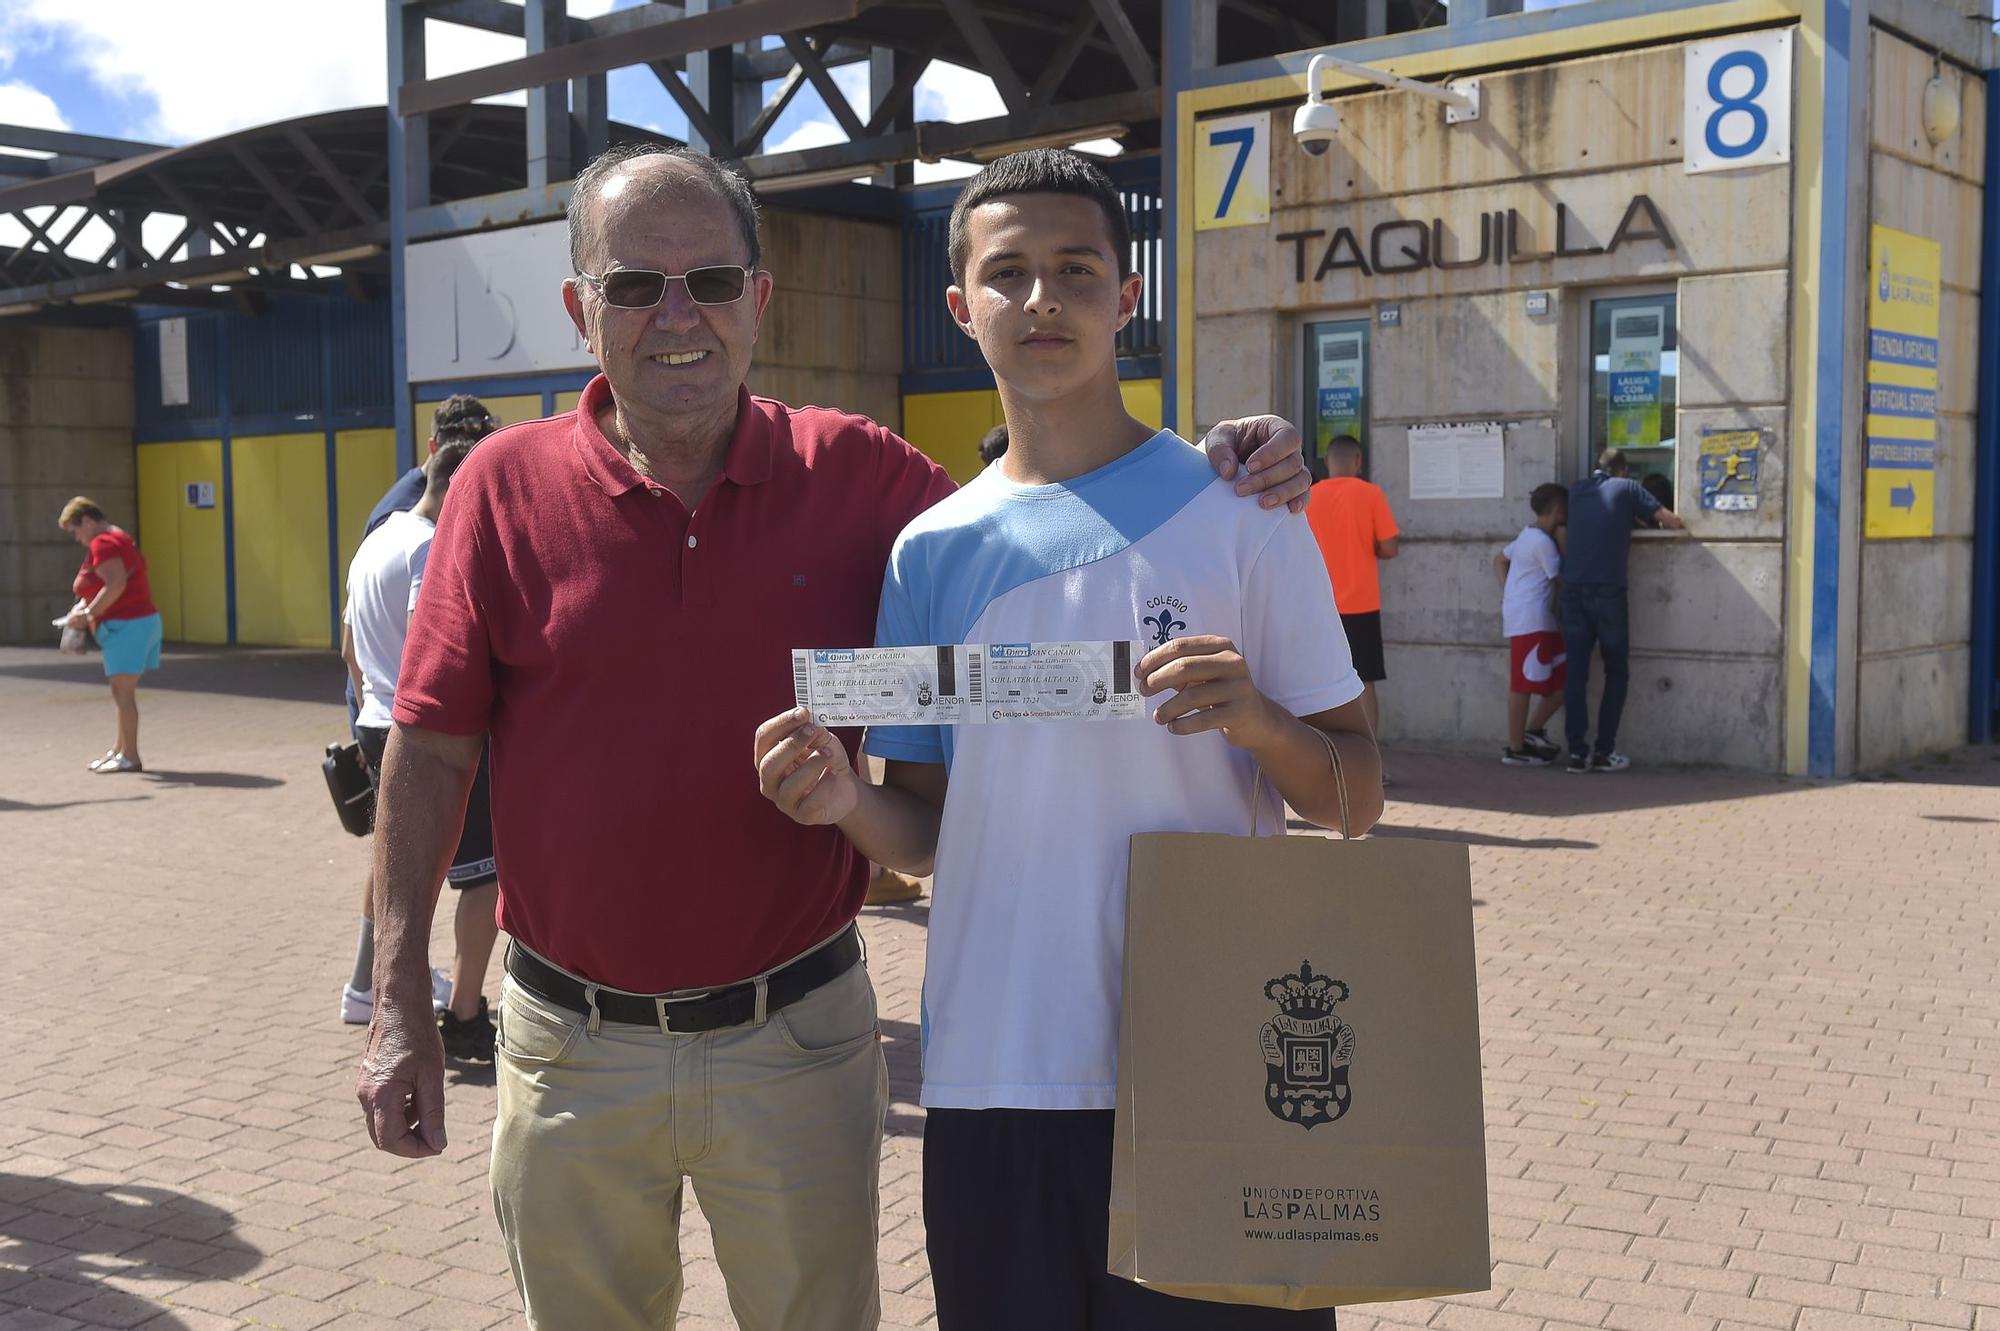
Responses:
[1941,105]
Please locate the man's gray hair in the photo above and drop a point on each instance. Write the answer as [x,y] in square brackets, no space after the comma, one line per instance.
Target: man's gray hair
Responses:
[726,181]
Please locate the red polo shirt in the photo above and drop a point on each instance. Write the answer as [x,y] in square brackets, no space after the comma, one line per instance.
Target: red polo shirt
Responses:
[622,652]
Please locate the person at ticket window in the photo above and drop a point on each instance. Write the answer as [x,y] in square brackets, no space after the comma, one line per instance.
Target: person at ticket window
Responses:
[1091,527]
[1603,508]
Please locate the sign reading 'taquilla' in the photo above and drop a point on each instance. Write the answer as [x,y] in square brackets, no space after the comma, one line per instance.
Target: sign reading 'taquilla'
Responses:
[1408,245]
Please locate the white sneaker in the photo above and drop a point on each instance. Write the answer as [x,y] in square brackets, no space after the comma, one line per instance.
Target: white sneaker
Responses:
[357,1007]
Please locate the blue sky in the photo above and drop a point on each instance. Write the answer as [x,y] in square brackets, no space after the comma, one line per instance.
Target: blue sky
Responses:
[142,69]
[181,71]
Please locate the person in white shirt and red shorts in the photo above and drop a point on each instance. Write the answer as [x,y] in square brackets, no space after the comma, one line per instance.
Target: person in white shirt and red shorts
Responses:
[1528,569]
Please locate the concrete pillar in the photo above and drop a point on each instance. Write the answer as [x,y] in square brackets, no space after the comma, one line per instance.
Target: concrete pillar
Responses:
[409,187]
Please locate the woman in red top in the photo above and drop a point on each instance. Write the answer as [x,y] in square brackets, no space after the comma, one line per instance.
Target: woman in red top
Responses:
[115,602]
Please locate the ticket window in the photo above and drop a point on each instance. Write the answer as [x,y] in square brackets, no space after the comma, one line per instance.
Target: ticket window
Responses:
[1634,352]
[1336,382]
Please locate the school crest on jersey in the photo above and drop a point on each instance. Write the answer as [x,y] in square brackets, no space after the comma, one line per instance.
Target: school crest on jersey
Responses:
[1167,619]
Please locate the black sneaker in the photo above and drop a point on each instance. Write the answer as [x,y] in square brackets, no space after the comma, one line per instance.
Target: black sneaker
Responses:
[470,1039]
[1578,762]
[1523,757]
[1609,762]
[1538,741]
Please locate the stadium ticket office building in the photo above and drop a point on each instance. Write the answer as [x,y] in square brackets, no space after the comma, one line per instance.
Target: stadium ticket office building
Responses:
[1763,282]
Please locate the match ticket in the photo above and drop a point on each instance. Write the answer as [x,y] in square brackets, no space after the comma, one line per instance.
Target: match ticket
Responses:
[889,686]
[972,684]
[1061,681]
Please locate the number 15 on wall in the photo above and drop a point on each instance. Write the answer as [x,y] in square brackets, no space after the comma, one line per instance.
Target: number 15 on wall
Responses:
[1232,171]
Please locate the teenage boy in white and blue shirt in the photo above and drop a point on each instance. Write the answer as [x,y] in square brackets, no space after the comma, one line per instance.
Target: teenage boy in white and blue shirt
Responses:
[1091,527]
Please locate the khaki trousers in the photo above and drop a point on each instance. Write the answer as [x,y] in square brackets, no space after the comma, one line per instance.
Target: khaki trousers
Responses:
[778,1126]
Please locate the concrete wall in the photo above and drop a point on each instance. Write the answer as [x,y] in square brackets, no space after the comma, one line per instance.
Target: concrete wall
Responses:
[1912,677]
[1590,135]
[833,336]
[65,429]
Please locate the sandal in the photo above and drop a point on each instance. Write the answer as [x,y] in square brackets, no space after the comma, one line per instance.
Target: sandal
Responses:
[109,754]
[118,762]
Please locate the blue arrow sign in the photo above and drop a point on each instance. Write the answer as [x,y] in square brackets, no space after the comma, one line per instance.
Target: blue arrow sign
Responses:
[1903,496]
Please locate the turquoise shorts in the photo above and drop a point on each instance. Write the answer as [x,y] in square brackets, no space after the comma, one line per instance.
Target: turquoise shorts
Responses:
[131,646]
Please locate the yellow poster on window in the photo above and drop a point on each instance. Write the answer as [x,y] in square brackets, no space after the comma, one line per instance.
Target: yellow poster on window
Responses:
[1901,424]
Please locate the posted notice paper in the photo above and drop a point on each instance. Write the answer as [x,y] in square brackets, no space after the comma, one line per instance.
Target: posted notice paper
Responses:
[1464,461]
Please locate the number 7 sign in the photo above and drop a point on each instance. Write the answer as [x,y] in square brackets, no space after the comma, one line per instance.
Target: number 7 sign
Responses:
[1232,171]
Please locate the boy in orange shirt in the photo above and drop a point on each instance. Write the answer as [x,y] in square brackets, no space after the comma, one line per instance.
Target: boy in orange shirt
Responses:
[1351,520]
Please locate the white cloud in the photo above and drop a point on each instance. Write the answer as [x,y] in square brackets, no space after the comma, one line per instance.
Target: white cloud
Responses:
[955,93]
[225,72]
[23,104]
[816,133]
[233,67]
[160,228]
[91,242]
[926,173]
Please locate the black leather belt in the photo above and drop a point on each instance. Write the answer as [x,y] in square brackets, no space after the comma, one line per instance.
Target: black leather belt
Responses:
[689,1014]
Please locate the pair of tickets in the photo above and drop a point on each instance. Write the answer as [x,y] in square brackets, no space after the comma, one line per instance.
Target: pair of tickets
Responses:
[968,684]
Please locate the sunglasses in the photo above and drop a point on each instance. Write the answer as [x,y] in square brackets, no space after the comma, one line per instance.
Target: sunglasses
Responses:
[643,288]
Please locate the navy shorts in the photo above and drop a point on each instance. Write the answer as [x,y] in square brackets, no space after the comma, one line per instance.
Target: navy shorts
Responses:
[472,863]
[1014,1210]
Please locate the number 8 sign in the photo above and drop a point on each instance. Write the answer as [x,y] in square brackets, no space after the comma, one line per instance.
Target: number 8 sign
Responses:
[1738,97]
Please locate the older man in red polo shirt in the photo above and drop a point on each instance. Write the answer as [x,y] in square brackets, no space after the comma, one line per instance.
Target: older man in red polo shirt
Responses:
[613,595]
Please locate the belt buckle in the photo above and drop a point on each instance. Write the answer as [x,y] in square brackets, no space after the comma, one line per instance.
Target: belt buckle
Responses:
[663,1008]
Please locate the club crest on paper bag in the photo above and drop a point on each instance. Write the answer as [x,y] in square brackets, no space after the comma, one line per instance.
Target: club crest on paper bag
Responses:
[1307,1049]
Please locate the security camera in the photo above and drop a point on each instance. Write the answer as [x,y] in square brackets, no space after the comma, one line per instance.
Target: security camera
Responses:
[1314,125]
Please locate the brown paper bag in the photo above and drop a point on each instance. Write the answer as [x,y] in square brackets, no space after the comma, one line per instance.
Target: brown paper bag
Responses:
[1299,1119]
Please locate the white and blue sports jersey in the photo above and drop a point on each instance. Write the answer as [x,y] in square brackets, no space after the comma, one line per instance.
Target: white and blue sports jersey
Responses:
[1027,926]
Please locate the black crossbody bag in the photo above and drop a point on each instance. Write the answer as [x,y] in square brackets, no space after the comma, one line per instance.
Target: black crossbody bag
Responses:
[353,793]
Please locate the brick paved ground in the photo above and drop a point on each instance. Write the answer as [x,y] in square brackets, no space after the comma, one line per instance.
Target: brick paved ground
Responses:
[1742,1050]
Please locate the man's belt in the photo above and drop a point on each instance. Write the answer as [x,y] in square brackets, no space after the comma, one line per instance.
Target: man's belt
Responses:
[688,1013]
